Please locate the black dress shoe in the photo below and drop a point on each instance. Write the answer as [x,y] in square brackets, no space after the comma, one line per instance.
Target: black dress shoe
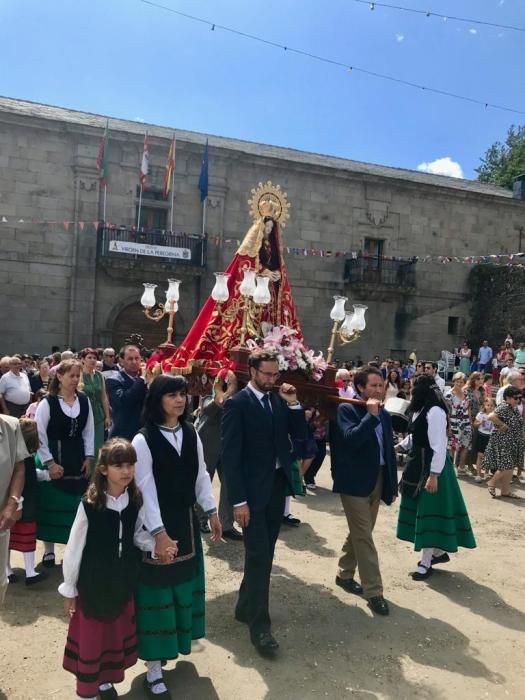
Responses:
[31,580]
[148,687]
[417,576]
[265,643]
[290,520]
[13,578]
[48,561]
[442,559]
[109,694]
[233,534]
[349,585]
[378,605]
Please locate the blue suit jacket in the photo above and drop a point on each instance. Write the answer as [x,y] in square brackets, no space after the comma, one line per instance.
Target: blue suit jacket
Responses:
[355,465]
[126,397]
[252,443]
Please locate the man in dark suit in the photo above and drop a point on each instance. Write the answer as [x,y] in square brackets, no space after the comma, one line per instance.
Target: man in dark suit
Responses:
[126,391]
[364,470]
[256,460]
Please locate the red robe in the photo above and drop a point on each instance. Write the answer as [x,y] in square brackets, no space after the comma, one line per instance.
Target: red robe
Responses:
[217,328]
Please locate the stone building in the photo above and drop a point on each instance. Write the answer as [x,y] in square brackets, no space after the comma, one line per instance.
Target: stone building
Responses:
[61,284]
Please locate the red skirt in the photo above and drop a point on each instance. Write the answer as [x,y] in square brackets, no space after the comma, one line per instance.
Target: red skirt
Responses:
[99,652]
[22,537]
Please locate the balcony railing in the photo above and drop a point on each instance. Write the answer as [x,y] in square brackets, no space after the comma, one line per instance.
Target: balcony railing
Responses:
[371,269]
[129,244]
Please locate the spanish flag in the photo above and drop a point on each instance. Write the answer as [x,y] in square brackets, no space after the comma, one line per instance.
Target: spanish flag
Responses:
[168,170]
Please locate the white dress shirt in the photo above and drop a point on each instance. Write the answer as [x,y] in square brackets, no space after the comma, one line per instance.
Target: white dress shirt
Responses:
[43,416]
[77,541]
[437,437]
[15,388]
[146,481]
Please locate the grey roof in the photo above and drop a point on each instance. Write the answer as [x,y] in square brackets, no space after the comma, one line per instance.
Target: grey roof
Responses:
[61,114]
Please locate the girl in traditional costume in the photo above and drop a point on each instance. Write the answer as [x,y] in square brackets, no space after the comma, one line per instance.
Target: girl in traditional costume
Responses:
[432,513]
[217,330]
[100,567]
[66,434]
[172,475]
[22,536]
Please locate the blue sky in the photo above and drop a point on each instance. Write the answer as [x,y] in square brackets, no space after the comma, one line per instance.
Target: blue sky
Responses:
[124,58]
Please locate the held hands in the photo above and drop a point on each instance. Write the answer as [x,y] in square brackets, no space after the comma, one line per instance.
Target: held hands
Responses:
[431,485]
[288,393]
[165,548]
[241,515]
[373,406]
[56,471]
[216,528]
[70,606]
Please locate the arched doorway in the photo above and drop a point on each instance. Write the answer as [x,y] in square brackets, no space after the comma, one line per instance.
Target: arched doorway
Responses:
[131,319]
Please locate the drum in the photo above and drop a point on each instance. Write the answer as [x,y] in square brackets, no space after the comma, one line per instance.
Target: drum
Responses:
[398,409]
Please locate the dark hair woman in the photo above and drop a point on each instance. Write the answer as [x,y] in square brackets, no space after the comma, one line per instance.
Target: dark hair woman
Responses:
[93,385]
[172,476]
[432,513]
[66,432]
[392,384]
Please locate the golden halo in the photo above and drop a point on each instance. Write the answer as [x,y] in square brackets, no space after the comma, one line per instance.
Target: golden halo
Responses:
[269,200]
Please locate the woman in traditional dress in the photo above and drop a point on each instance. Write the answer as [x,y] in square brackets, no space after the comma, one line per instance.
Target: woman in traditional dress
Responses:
[40,380]
[94,387]
[504,451]
[66,433]
[432,513]
[217,329]
[172,476]
[465,358]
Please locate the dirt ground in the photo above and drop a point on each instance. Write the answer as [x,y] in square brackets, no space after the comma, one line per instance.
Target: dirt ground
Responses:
[459,635]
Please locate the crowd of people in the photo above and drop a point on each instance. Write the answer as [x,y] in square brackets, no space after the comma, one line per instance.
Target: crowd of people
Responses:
[117,464]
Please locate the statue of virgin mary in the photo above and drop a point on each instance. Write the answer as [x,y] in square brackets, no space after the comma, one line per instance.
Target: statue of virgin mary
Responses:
[217,328]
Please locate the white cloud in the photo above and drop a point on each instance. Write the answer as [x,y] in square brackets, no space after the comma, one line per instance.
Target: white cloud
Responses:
[139,119]
[400,38]
[472,31]
[442,166]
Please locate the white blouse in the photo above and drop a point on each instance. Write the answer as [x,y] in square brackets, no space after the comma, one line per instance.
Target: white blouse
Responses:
[146,482]
[43,416]
[437,437]
[77,541]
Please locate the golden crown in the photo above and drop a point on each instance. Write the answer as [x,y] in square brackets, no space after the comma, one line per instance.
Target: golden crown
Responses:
[269,200]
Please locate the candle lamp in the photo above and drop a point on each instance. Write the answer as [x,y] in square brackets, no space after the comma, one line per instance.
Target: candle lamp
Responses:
[346,327]
[156,311]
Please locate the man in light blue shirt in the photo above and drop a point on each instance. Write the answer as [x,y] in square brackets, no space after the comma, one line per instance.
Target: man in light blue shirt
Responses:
[485,357]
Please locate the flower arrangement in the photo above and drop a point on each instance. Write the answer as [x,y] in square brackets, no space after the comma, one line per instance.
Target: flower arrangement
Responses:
[292,354]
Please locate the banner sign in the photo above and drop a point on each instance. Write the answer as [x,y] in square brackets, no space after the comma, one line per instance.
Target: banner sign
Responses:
[155,251]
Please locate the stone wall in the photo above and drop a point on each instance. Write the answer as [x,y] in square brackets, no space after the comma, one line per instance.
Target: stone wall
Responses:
[48,173]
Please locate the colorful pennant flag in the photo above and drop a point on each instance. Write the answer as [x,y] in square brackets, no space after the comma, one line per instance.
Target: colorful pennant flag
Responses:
[168,171]
[144,166]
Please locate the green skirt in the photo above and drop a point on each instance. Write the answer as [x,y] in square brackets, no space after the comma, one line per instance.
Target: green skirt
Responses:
[169,618]
[55,511]
[437,519]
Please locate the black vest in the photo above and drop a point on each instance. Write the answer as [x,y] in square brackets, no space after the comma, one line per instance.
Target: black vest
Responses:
[417,467]
[110,562]
[66,443]
[175,478]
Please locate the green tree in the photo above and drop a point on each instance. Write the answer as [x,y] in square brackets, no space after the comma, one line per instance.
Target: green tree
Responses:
[504,161]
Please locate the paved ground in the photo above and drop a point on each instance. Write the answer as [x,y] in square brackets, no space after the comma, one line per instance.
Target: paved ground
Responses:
[460,635]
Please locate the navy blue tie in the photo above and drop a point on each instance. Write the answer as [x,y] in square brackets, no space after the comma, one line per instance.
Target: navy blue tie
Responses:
[267,405]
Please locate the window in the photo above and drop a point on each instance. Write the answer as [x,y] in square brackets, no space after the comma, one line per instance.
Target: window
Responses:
[154,209]
[374,247]
[453,325]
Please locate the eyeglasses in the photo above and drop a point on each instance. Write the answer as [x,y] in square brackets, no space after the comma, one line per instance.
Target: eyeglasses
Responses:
[269,375]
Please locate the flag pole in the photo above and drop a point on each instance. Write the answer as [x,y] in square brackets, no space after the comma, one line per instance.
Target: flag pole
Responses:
[104,206]
[172,198]
[140,205]
[204,216]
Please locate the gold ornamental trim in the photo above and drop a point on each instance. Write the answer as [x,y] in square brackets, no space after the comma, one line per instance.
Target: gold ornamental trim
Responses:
[269,200]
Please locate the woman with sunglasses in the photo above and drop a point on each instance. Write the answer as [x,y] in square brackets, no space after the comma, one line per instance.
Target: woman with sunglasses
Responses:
[504,452]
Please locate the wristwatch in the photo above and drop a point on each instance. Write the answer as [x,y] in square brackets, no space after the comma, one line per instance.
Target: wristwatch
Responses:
[18,500]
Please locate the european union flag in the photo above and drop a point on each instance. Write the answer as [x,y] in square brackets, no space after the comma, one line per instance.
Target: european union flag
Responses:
[203,179]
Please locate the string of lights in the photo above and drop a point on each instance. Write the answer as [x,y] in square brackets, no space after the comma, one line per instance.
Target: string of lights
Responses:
[323,59]
[439,15]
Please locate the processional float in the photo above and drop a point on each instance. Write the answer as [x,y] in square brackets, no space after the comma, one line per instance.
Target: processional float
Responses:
[250,306]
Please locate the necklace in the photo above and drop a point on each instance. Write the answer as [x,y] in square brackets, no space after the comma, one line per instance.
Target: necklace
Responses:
[170,429]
